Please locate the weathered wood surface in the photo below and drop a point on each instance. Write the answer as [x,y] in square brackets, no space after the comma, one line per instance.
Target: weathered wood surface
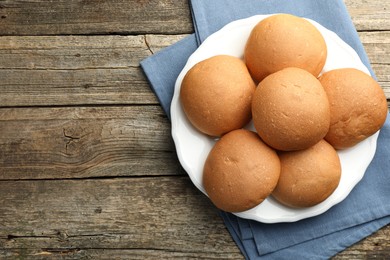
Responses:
[128,213]
[155,215]
[110,254]
[73,70]
[42,17]
[87,165]
[369,16]
[82,142]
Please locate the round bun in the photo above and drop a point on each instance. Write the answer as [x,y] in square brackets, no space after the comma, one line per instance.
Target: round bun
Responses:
[282,41]
[216,95]
[290,110]
[240,171]
[309,176]
[357,103]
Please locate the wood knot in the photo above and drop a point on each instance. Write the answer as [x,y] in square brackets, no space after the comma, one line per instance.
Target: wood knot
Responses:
[72,136]
[62,236]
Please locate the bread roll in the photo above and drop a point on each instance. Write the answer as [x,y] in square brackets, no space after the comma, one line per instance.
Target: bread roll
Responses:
[216,95]
[240,171]
[282,41]
[357,103]
[290,110]
[309,176]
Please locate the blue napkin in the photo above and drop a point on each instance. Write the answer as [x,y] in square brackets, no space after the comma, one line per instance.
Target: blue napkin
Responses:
[364,211]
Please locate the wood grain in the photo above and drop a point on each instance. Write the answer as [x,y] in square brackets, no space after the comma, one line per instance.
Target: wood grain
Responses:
[157,214]
[64,17]
[73,70]
[109,254]
[154,217]
[81,142]
[377,47]
[369,16]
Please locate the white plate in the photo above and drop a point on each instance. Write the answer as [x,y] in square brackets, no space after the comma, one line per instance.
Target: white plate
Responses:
[193,147]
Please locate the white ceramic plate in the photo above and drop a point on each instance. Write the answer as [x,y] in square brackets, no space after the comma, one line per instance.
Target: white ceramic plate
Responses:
[193,147]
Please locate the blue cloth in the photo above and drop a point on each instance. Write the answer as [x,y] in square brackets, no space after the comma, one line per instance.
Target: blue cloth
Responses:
[365,210]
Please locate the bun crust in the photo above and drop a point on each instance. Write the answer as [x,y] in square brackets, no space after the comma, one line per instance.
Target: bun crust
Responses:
[290,110]
[240,171]
[309,176]
[282,41]
[216,95]
[357,103]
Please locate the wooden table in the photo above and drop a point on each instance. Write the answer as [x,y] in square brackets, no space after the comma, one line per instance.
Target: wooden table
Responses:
[87,164]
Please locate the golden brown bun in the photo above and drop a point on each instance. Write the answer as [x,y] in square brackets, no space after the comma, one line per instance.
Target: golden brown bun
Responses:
[290,110]
[308,176]
[240,171]
[358,106]
[216,95]
[282,41]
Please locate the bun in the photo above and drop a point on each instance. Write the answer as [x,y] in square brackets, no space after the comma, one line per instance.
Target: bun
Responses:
[240,171]
[357,103]
[216,95]
[308,176]
[282,41]
[290,110]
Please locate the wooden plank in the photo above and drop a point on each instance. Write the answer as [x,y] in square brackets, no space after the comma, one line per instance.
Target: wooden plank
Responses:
[166,214]
[80,142]
[89,70]
[72,52]
[74,87]
[369,15]
[355,252]
[69,70]
[151,217]
[109,254]
[40,17]
[377,46]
